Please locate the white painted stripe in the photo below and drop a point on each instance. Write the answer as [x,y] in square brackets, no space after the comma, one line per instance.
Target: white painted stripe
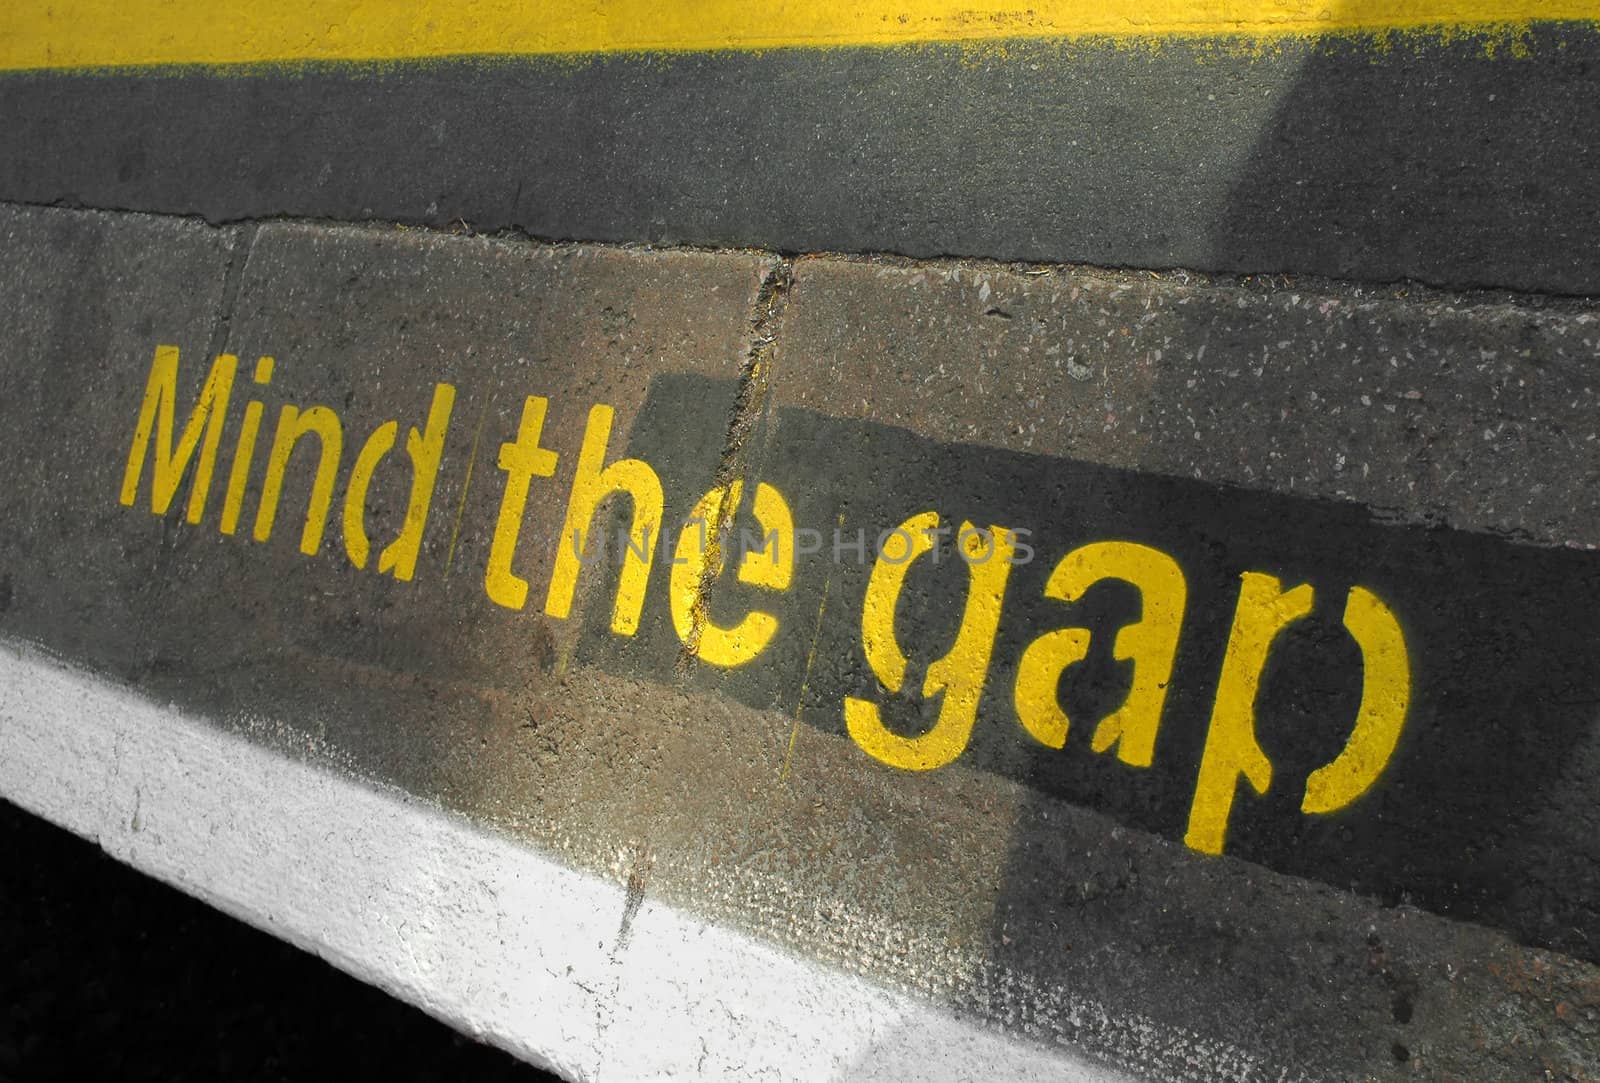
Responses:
[485,934]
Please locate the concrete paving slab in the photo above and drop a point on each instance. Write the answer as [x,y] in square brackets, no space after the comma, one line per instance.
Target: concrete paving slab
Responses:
[1429,407]
[737,744]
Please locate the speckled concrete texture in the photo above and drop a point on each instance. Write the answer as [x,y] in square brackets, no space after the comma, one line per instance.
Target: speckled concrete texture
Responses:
[1451,158]
[1462,419]
[1476,411]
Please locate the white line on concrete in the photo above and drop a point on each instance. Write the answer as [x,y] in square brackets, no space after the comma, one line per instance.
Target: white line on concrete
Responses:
[488,935]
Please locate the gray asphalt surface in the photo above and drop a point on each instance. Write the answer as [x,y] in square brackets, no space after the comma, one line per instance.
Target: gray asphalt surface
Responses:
[1452,163]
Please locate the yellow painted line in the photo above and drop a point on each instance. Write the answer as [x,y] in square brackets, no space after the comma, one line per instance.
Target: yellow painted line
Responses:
[123,33]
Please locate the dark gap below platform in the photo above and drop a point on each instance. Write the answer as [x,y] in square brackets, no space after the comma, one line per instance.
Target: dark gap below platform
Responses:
[109,974]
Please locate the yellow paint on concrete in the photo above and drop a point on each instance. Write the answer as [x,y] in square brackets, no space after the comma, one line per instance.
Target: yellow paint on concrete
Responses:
[955,680]
[179,444]
[1385,698]
[596,482]
[131,33]
[767,561]
[1232,751]
[1150,643]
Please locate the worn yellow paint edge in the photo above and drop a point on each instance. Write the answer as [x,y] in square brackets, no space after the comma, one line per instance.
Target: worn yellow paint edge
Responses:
[72,34]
